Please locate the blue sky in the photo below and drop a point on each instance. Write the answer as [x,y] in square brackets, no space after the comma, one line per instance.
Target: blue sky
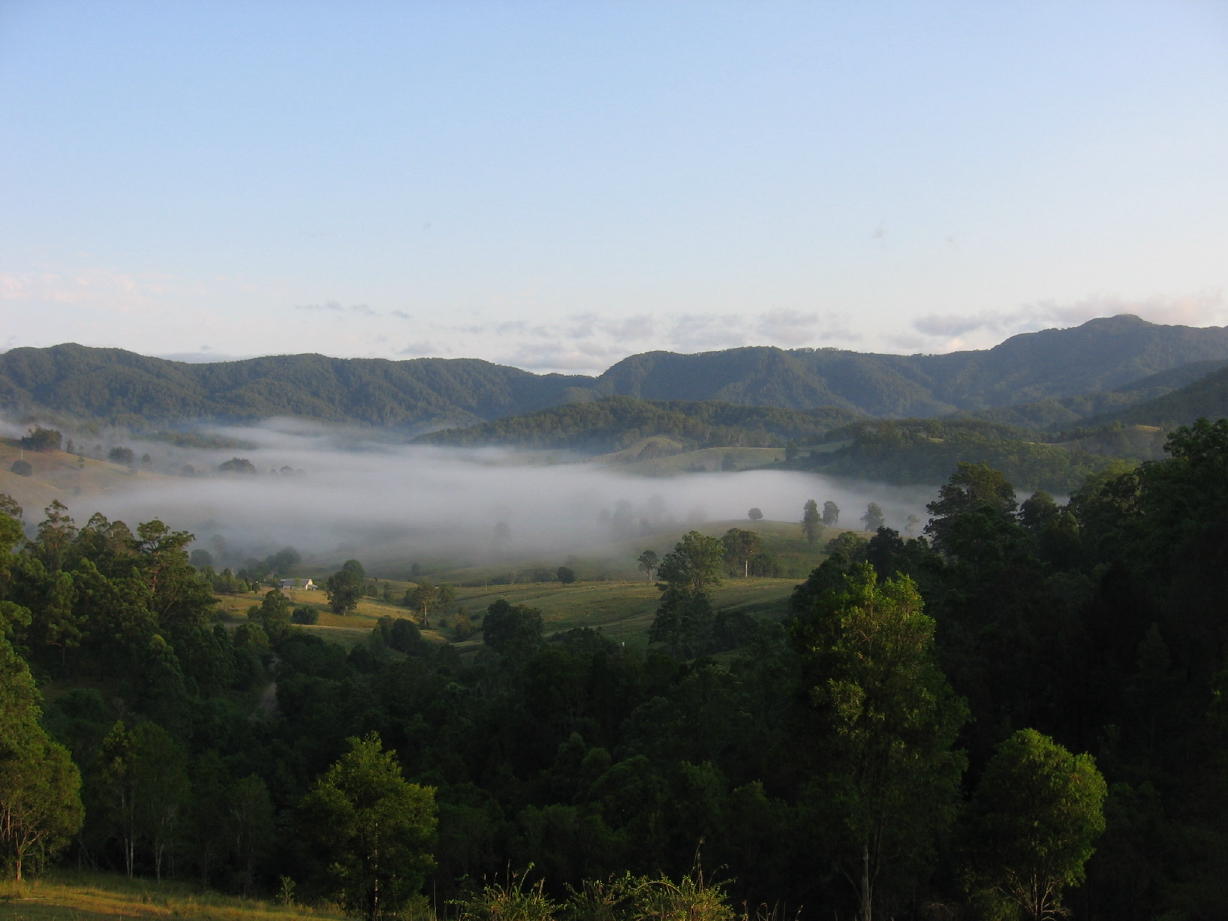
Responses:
[558,185]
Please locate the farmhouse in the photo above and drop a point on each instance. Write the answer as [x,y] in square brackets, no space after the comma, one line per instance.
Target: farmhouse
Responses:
[298,584]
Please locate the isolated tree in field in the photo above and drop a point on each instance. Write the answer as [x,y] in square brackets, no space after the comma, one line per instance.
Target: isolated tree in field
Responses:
[422,598]
[740,547]
[831,513]
[873,518]
[694,564]
[372,829]
[755,514]
[344,587]
[812,525]
[22,467]
[445,596]
[237,465]
[648,562]
[1034,820]
[887,720]
[566,575]
[121,455]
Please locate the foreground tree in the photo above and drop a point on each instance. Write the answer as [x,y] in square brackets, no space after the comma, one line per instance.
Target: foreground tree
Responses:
[40,787]
[373,828]
[1035,817]
[887,721]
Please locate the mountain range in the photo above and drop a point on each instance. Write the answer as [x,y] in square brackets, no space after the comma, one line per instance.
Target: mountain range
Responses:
[1057,376]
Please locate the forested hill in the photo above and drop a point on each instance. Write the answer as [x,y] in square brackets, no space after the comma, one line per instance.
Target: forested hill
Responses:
[602,426]
[1206,397]
[1099,355]
[122,387]
[127,388]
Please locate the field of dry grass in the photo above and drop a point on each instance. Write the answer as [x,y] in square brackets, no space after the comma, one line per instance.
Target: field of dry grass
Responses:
[68,896]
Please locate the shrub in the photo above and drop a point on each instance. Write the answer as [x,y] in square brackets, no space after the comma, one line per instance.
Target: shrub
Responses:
[305,615]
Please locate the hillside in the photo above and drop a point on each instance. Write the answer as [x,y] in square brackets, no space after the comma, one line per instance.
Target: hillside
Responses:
[114,386]
[124,388]
[609,425]
[1206,397]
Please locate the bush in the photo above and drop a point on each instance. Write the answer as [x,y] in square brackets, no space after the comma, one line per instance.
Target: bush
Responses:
[21,468]
[305,615]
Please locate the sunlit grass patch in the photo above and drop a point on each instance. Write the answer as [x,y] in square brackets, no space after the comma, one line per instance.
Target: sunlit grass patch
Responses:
[81,896]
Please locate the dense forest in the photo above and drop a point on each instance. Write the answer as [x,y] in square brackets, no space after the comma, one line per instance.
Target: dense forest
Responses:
[611,424]
[945,726]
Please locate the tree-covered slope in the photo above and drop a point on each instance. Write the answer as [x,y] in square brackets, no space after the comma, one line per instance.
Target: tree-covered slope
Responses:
[1206,398]
[1053,365]
[120,386]
[927,450]
[611,424]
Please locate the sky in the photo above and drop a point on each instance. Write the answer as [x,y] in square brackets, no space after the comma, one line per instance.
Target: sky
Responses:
[557,185]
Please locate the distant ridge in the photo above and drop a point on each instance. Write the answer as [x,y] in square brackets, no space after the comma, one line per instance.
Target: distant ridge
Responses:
[116,386]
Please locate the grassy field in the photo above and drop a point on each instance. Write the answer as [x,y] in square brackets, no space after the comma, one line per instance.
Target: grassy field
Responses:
[59,475]
[64,896]
[623,610]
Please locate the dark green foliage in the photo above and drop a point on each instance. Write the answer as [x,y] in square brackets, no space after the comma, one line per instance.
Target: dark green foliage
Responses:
[812,524]
[41,439]
[237,465]
[373,830]
[1033,823]
[927,450]
[741,548]
[1051,365]
[22,467]
[305,615]
[694,564]
[513,631]
[345,587]
[614,423]
[800,755]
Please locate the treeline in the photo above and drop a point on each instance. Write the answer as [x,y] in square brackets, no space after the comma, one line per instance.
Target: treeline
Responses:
[611,424]
[904,742]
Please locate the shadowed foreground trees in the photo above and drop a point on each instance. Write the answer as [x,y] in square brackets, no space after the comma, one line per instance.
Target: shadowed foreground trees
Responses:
[1034,819]
[886,721]
[372,829]
[40,787]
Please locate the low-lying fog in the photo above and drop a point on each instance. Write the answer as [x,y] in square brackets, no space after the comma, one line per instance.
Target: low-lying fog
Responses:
[334,494]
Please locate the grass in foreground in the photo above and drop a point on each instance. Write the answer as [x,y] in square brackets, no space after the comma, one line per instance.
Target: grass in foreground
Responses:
[81,896]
